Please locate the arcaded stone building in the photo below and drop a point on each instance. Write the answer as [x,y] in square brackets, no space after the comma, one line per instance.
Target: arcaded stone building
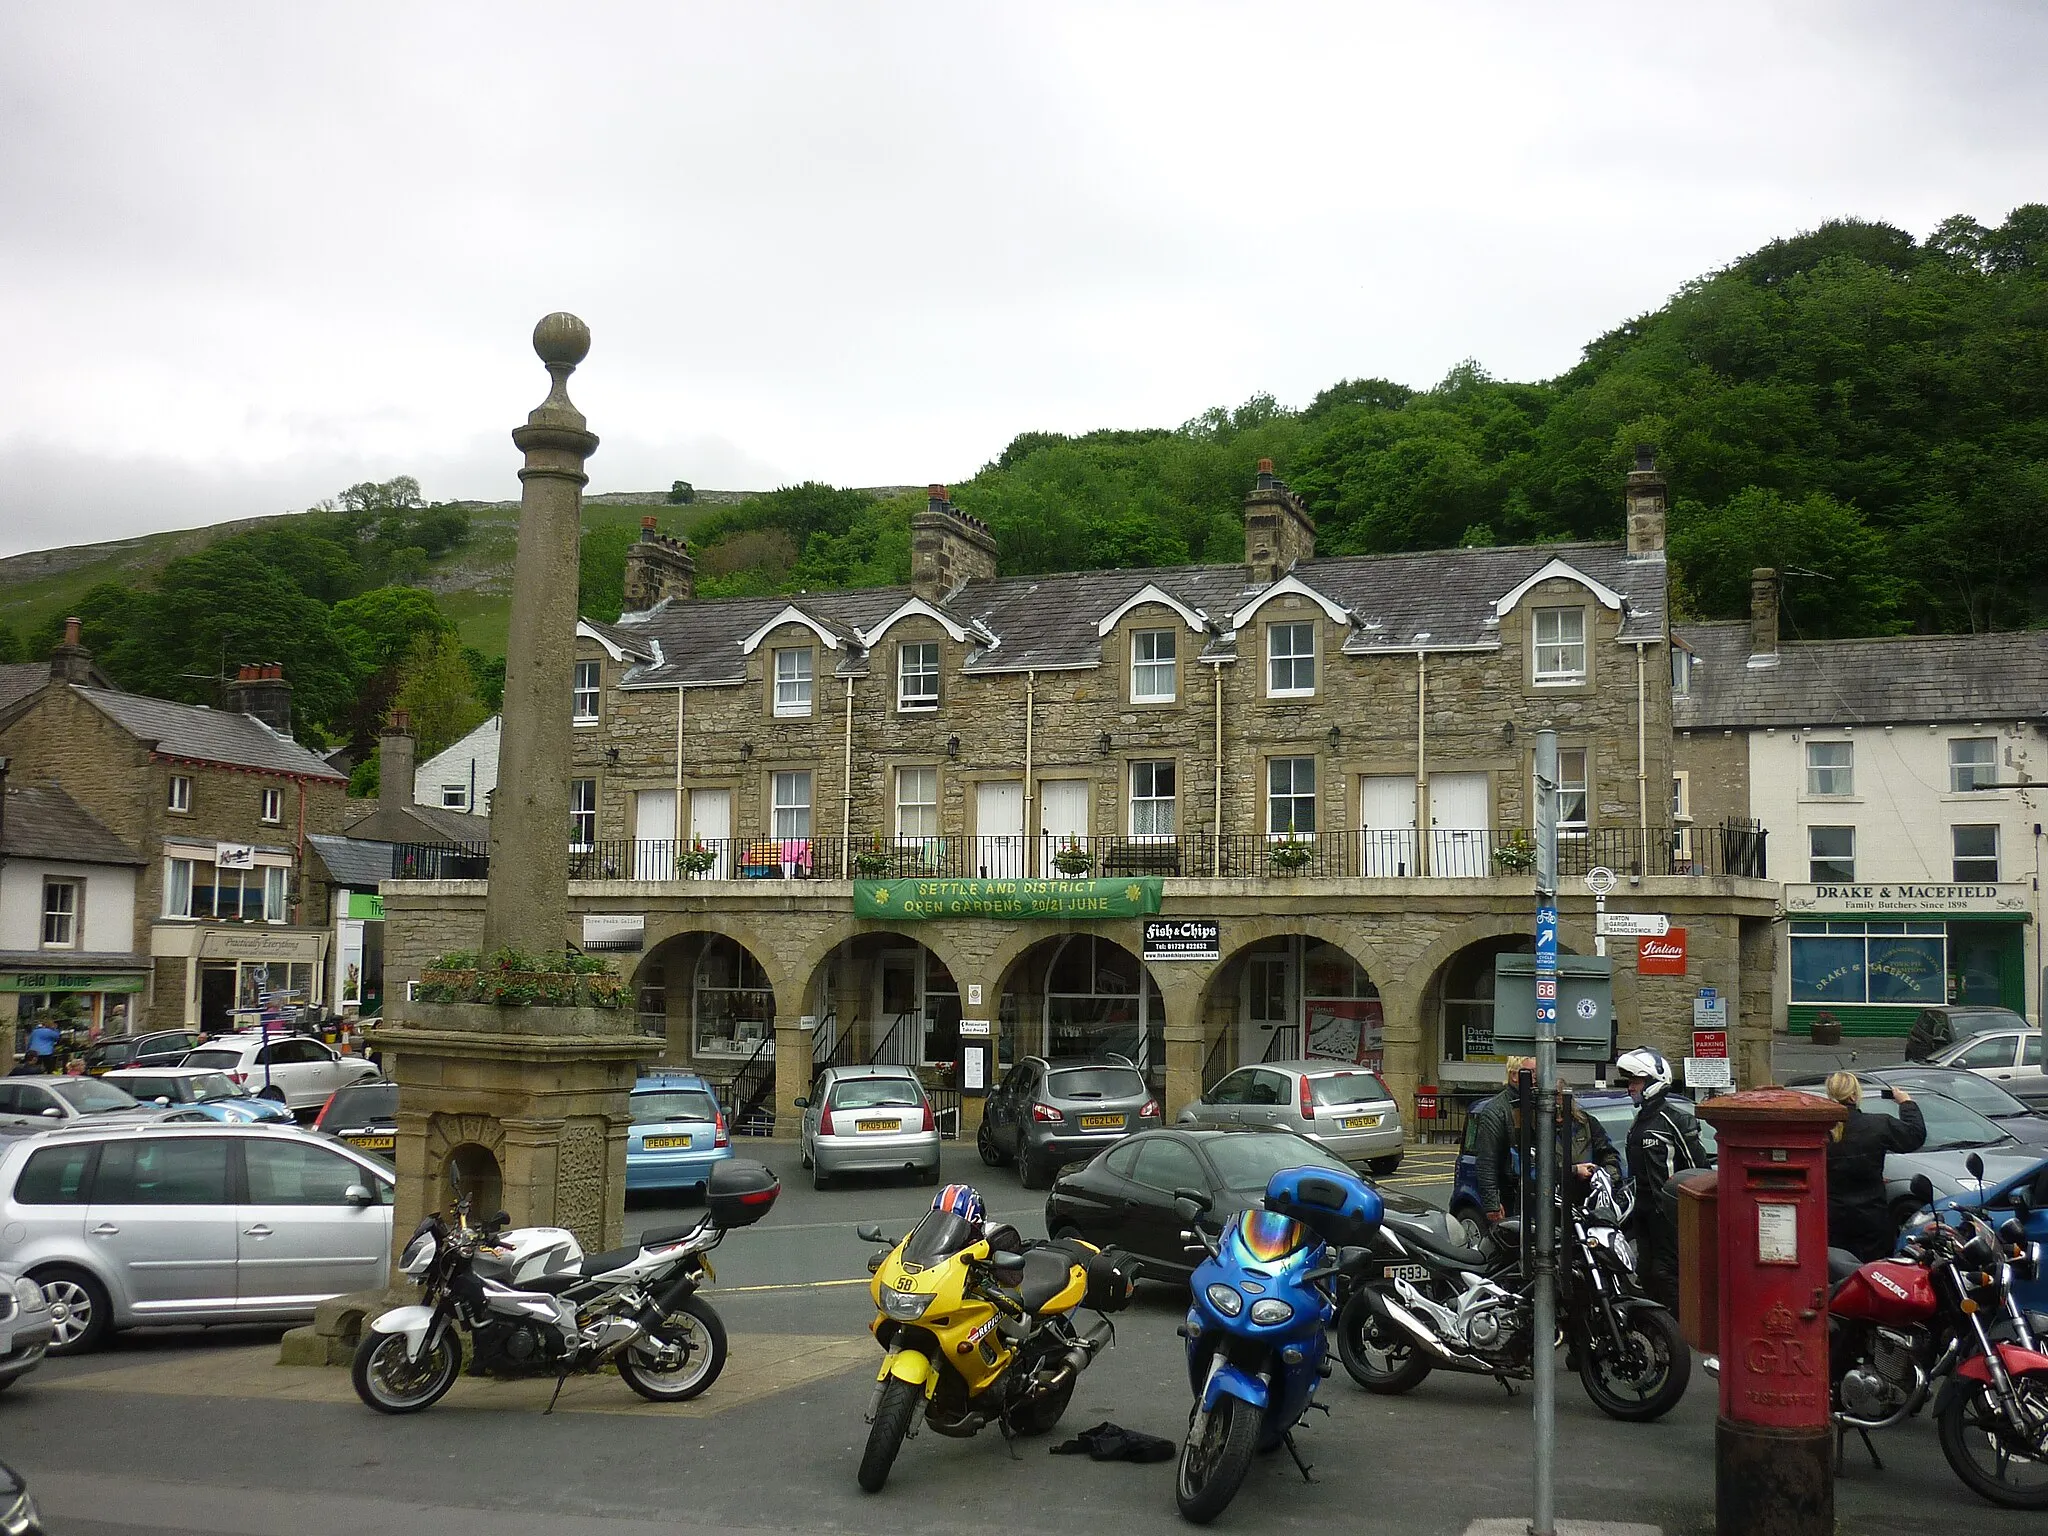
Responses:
[1324,764]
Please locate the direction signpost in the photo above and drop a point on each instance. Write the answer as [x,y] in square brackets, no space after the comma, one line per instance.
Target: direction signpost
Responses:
[1543,1256]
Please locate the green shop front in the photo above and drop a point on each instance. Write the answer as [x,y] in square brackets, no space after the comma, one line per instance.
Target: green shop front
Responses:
[84,996]
[1874,955]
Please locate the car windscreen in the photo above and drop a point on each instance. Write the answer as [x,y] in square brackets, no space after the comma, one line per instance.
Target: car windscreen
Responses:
[939,1236]
[148,1089]
[1976,1021]
[1248,1162]
[1359,1087]
[1967,1089]
[877,1093]
[204,1057]
[211,1087]
[1950,1127]
[363,1103]
[1095,1083]
[656,1106]
[90,1096]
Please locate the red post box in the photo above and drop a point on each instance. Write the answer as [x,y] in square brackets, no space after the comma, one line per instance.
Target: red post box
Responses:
[1773,1448]
[1425,1101]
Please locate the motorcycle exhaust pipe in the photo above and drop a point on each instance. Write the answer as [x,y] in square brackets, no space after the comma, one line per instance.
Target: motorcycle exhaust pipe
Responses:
[1421,1331]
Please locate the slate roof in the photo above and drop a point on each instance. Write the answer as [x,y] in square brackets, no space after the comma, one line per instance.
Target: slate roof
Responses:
[21,679]
[1440,600]
[419,824]
[1900,679]
[45,823]
[207,735]
[353,861]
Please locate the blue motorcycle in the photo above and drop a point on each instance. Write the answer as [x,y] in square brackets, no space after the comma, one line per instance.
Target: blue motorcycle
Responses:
[1255,1329]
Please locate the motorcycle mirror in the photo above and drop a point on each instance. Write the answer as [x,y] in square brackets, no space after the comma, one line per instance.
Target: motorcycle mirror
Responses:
[1976,1166]
[1923,1189]
[1190,1204]
[871,1233]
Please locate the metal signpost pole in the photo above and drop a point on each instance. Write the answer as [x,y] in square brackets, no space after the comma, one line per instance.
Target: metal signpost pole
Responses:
[1545,1256]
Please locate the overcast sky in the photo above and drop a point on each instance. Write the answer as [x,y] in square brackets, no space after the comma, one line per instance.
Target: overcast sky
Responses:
[253,253]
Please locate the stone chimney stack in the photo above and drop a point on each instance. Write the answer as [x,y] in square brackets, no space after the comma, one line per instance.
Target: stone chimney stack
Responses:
[1763,617]
[1646,504]
[947,548]
[1278,531]
[71,662]
[394,763]
[658,567]
[260,689]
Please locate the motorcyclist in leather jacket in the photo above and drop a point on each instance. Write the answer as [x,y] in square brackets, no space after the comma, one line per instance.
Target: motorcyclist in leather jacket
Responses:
[1663,1140]
[1496,1135]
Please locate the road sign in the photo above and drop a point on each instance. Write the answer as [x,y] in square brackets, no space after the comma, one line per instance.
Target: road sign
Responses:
[1710,1042]
[1634,925]
[1709,1072]
[1600,880]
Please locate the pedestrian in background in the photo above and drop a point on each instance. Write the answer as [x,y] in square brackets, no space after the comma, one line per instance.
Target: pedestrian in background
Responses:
[1859,1215]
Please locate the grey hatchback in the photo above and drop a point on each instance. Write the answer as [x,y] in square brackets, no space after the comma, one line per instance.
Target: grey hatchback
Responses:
[1052,1111]
[1345,1109]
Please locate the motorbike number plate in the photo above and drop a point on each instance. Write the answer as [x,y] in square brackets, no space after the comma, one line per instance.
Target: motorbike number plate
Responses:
[665,1143]
[374,1143]
[1102,1122]
[1361,1122]
[1414,1274]
[881,1125]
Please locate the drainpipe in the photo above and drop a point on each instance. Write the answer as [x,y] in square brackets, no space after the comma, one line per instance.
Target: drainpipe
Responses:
[1642,766]
[682,827]
[1031,838]
[846,791]
[1422,859]
[1216,854]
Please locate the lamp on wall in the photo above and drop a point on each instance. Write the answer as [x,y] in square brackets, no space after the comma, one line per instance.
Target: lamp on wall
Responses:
[611,757]
[746,751]
[1507,732]
[952,746]
[1104,743]
[1336,735]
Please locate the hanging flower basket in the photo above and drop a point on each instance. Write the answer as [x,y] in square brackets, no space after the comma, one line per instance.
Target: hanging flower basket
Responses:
[1515,853]
[1291,855]
[1072,860]
[696,860]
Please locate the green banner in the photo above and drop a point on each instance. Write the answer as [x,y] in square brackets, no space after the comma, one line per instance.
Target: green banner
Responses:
[69,981]
[367,905]
[1013,901]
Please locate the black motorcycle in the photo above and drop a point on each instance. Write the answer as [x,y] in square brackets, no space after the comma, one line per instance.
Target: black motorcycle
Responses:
[1431,1301]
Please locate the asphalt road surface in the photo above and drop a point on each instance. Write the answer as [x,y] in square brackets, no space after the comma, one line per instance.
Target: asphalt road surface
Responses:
[180,1431]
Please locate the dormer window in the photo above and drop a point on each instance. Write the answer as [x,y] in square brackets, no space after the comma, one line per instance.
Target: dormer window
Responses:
[1560,645]
[1681,671]
[917,675]
[585,711]
[1152,666]
[1290,661]
[793,674]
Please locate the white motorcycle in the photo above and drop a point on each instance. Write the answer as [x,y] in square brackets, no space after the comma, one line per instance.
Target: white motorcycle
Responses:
[535,1305]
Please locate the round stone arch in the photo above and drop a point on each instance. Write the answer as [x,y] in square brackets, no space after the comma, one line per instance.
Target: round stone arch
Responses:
[1218,1000]
[786,982]
[933,936]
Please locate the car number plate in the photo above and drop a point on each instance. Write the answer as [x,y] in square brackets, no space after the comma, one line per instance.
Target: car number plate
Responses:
[1102,1122]
[881,1125]
[1361,1122]
[1414,1274]
[665,1143]
[374,1143]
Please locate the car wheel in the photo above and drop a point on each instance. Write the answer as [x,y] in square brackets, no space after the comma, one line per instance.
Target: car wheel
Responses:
[81,1315]
[820,1179]
[929,1175]
[1033,1174]
[803,1154]
[1382,1166]
[273,1093]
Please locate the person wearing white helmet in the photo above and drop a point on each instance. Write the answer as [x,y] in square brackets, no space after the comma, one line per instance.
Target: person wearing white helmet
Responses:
[1664,1140]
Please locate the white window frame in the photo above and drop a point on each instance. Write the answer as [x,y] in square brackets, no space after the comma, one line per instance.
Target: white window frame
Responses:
[454,797]
[1291,659]
[176,905]
[179,799]
[795,670]
[1568,824]
[1831,780]
[274,893]
[917,817]
[1293,798]
[588,693]
[789,804]
[1559,656]
[922,701]
[1155,653]
[68,911]
[271,806]
[1963,777]
[1814,857]
[582,815]
[1958,858]
[1681,812]
[1681,672]
[1151,800]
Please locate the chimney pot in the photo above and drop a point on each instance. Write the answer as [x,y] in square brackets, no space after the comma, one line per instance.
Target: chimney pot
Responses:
[401,723]
[647,527]
[71,628]
[1265,466]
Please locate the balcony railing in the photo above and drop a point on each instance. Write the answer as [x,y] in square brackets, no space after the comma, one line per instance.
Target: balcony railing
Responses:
[1436,852]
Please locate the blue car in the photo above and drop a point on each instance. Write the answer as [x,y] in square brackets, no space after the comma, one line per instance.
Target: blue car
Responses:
[1612,1107]
[194,1093]
[1996,1203]
[678,1133]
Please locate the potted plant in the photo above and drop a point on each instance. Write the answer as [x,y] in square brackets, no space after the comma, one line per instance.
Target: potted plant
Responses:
[695,860]
[1827,1029]
[1515,853]
[513,979]
[1290,854]
[1071,859]
[872,862]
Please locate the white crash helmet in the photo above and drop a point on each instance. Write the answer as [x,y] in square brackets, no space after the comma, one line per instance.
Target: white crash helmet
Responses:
[1645,1063]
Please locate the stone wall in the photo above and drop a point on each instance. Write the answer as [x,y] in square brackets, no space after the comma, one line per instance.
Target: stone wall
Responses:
[1716,765]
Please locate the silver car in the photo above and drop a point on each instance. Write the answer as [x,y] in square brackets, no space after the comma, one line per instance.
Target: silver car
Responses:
[24,1326]
[868,1120]
[161,1223]
[41,1103]
[1347,1110]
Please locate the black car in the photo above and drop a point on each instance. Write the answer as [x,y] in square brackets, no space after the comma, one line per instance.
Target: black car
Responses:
[166,1048]
[365,1115]
[2013,1116]
[1936,1029]
[1125,1195]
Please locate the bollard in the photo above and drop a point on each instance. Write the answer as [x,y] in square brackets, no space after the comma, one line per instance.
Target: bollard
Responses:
[1773,1445]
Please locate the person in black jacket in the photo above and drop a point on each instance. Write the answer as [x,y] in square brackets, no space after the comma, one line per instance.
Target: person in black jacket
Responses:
[1663,1140]
[1582,1147]
[1859,1216]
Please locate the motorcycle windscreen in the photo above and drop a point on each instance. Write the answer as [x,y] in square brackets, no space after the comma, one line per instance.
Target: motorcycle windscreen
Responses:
[938,1237]
[1267,1237]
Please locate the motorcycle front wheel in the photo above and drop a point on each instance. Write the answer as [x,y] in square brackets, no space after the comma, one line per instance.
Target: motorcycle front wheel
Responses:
[1378,1356]
[1215,1458]
[695,1354]
[388,1380]
[899,1404]
[1981,1451]
[1649,1378]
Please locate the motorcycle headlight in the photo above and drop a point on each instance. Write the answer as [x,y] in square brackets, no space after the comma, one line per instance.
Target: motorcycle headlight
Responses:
[418,1257]
[1225,1300]
[20,1514]
[1270,1311]
[905,1306]
[27,1294]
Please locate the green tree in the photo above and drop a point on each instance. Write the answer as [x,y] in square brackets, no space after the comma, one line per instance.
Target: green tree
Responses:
[681,493]
[1839,575]
[436,688]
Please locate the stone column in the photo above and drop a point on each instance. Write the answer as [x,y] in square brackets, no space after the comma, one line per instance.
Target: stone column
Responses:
[1185,1047]
[792,1073]
[528,904]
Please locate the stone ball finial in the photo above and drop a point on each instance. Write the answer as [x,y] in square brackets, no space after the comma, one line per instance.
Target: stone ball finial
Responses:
[561,340]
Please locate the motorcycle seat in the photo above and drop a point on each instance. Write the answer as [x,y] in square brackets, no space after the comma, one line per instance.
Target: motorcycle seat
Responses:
[654,1237]
[599,1263]
[1427,1242]
[1046,1273]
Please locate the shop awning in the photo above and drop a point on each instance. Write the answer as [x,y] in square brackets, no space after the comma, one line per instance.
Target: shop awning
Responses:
[40,971]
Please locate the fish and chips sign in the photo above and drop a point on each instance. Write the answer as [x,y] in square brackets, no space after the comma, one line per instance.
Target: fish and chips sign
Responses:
[1015,901]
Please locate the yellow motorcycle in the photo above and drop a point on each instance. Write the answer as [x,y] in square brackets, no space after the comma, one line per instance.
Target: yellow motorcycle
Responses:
[978,1332]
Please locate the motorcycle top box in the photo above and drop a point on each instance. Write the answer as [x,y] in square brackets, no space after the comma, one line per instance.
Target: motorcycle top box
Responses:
[740,1192]
[1340,1208]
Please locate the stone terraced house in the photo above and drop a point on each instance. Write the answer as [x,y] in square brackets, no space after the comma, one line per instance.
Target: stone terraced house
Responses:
[1319,769]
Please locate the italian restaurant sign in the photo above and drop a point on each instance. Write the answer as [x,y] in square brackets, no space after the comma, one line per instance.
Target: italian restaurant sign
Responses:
[1014,901]
[1925,899]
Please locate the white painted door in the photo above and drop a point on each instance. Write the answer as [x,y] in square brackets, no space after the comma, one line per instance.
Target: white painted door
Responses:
[1062,816]
[711,825]
[654,835]
[1459,804]
[1386,821]
[999,823]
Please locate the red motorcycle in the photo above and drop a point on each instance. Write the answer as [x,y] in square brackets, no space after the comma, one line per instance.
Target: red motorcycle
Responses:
[1941,1318]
